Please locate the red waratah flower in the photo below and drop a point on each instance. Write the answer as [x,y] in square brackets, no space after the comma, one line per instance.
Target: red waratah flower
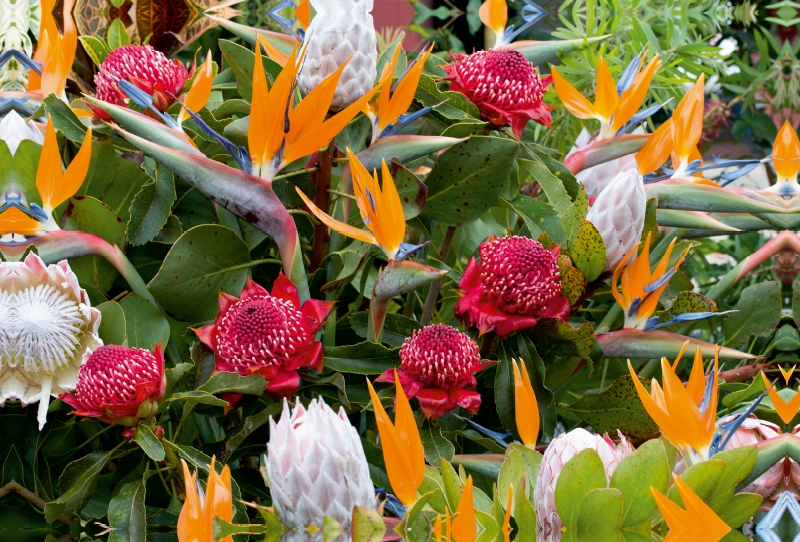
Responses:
[119,385]
[516,284]
[504,86]
[438,364]
[144,67]
[267,334]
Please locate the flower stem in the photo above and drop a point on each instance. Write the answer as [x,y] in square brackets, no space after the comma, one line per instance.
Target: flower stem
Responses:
[322,199]
[433,293]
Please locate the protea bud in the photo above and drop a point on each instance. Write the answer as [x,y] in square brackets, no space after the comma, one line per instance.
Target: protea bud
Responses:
[120,385]
[316,466]
[562,449]
[267,334]
[438,367]
[618,214]
[46,325]
[516,283]
[341,30]
[144,67]
[777,478]
[14,129]
[503,84]
[596,178]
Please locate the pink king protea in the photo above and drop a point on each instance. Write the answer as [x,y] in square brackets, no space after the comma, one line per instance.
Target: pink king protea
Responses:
[504,86]
[267,334]
[516,284]
[438,364]
[144,67]
[119,385]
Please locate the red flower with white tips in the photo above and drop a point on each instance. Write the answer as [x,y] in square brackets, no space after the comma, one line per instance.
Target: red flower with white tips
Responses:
[269,334]
[503,84]
[438,367]
[119,385]
[147,69]
[516,284]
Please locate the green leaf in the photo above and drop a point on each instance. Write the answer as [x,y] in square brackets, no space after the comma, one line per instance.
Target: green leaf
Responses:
[588,251]
[685,302]
[451,483]
[600,514]
[551,185]
[759,310]
[64,119]
[396,328]
[735,398]
[435,445]
[241,61]
[77,484]
[645,467]
[128,180]
[151,206]
[468,178]
[96,48]
[525,516]
[100,175]
[197,398]
[539,216]
[112,323]
[616,407]
[126,514]
[456,107]
[413,192]
[512,473]
[225,382]
[796,303]
[580,475]
[145,438]
[117,36]
[204,261]
[574,217]
[365,358]
[145,326]
[367,525]
[251,423]
[702,477]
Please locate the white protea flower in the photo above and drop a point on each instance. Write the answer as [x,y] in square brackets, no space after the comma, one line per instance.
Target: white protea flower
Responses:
[618,214]
[46,326]
[316,466]
[14,129]
[340,30]
[596,178]
[559,451]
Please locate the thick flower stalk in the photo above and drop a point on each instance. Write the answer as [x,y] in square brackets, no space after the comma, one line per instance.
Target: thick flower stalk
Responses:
[686,415]
[786,160]
[14,130]
[342,33]
[401,444]
[316,466]
[641,287]
[277,140]
[438,364]
[503,84]
[516,283]
[618,214]
[695,521]
[145,68]
[678,137]
[196,520]
[615,104]
[381,211]
[46,326]
[270,334]
[526,408]
[559,451]
[120,385]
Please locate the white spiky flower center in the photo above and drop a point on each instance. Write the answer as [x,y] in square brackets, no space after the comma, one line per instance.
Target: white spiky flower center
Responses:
[48,326]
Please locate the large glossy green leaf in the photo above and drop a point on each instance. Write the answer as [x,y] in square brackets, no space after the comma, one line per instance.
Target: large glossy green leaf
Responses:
[646,467]
[365,358]
[151,206]
[580,475]
[145,438]
[126,514]
[145,326]
[759,310]
[600,515]
[77,484]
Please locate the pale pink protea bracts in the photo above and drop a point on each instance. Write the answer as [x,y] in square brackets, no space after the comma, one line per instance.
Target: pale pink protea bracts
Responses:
[144,67]
[316,467]
[516,283]
[46,325]
[618,214]
[438,367]
[267,334]
[558,453]
[121,385]
[596,178]
[503,84]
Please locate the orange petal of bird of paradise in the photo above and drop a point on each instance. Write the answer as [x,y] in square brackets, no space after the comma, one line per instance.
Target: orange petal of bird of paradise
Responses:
[54,186]
[786,410]
[526,408]
[693,523]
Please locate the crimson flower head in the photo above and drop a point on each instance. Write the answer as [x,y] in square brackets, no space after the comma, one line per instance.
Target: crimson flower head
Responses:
[269,334]
[144,67]
[438,367]
[503,84]
[516,284]
[119,385]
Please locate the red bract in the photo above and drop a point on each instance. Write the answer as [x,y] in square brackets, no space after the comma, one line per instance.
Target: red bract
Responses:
[504,86]
[119,385]
[438,364]
[267,334]
[516,284]
[144,67]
